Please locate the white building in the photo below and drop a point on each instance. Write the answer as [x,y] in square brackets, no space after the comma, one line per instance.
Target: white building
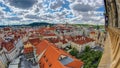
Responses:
[19,43]
[3,58]
[10,50]
[14,63]
[80,42]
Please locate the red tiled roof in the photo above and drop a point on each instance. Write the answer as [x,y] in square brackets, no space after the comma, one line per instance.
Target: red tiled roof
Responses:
[50,34]
[51,57]
[34,41]
[6,29]
[79,39]
[41,46]
[63,41]
[54,40]
[34,35]
[51,28]
[8,45]
[57,40]
[83,41]
[47,31]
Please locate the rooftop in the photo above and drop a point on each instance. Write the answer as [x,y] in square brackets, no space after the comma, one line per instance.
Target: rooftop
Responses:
[56,58]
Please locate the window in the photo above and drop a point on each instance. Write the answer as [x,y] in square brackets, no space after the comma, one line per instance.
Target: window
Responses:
[65,59]
[62,57]
[40,63]
[46,60]
[44,56]
[50,65]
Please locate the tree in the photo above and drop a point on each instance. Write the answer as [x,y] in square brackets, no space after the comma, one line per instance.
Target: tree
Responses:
[74,52]
[87,48]
[90,57]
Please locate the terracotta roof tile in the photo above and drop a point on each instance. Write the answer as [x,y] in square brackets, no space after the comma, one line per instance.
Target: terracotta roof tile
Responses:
[34,41]
[8,45]
[41,46]
[51,57]
[78,39]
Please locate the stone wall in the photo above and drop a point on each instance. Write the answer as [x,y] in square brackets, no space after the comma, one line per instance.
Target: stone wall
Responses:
[115,45]
[111,55]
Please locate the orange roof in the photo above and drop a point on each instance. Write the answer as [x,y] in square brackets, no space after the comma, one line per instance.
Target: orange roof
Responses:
[57,40]
[75,64]
[47,33]
[41,46]
[53,40]
[51,28]
[34,41]
[51,57]
[78,39]
[83,41]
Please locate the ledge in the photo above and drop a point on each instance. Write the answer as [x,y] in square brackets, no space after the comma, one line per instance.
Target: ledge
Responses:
[106,57]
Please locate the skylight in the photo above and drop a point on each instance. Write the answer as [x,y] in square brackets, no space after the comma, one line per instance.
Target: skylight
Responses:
[65,59]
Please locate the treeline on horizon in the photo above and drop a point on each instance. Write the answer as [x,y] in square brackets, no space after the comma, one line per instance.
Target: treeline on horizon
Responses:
[51,24]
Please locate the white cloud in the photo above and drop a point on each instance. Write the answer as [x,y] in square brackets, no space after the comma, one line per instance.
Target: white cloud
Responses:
[82,11]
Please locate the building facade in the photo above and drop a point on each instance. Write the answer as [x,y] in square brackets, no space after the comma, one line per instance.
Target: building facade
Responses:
[111,56]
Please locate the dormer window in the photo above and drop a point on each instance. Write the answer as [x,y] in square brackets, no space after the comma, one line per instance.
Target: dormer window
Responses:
[50,65]
[62,57]
[44,56]
[46,60]
[65,59]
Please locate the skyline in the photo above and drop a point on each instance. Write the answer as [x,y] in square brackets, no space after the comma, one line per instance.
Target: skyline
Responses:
[13,12]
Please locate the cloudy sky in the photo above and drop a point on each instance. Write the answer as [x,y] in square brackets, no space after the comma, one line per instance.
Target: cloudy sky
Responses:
[52,11]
